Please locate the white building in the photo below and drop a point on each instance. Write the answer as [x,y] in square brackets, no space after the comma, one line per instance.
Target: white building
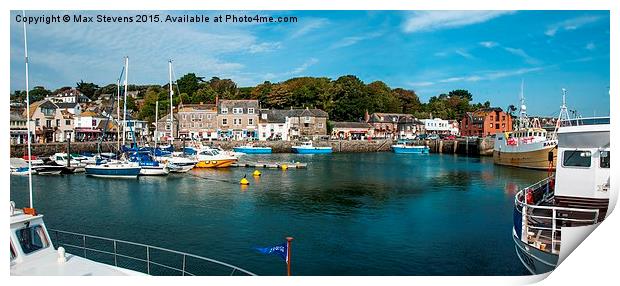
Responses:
[273,125]
[437,126]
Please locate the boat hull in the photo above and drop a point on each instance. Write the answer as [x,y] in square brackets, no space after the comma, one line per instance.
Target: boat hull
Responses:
[215,163]
[154,171]
[535,261]
[113,172]
[254,150]
[313,150]
[537,159]
[181,168]
[410,150]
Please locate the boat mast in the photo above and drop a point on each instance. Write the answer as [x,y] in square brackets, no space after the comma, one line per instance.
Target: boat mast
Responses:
[28,114]
[563,113]
[523,120]
[156,132]
[171,106]
[125,100]
[118,114]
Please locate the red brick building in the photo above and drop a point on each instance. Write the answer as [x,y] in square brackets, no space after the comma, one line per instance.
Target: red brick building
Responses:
[485,122]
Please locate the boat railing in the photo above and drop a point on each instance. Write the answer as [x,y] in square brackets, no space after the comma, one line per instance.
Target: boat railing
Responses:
[540,224]
[139,257]
[579,121]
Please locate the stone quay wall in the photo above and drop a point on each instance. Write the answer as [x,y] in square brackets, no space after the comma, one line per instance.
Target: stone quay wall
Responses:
[472,147]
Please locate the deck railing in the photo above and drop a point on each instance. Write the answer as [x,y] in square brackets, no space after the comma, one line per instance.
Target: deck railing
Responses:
[548,220]
[148,259]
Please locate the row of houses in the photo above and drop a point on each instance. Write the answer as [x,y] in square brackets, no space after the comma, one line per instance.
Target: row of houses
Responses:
[61,118]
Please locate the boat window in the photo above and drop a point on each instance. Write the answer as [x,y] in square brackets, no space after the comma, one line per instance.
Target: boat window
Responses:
[32,238]
[577,158]
[13,253]
[605,159]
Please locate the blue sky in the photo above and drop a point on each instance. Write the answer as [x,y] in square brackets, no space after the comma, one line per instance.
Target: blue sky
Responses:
[431,52]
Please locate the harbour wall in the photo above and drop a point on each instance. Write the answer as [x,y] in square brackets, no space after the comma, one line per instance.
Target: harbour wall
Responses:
[471,147]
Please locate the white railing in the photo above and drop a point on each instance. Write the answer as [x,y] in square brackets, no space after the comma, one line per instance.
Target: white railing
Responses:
[79,241]
[548,219]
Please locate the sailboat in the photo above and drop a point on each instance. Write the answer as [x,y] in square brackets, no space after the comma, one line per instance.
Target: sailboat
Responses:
[117,169]
[529,146]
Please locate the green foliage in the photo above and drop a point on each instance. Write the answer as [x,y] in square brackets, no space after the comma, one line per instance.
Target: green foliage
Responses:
[87,88]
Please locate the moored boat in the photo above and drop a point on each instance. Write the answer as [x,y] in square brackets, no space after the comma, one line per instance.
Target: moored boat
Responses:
[250,149]
[129,170]
[578,195]
[407,147]
[212,158]
[308,148]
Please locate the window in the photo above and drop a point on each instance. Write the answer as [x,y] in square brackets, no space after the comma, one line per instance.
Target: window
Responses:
[209,116]
[250,121]
[236,121]
[238,110]
[224,121]
[32,238]
[47,111]
[37,122]
[321,126]
[496,125]
[67,122]
[58,122]
[184,116]
[224,110]
[577,158]
[605,159]
[250,110]
[48,123]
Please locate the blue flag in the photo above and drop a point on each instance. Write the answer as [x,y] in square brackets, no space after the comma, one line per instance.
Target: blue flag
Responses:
[279,250]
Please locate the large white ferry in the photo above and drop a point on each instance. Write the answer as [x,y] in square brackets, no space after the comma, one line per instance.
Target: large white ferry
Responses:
[578,195]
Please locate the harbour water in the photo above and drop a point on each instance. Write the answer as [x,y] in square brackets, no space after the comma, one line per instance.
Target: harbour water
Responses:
[350,214]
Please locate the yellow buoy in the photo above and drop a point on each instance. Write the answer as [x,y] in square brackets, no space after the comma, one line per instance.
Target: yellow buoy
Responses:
[284,167]
[244,181]
[256,173]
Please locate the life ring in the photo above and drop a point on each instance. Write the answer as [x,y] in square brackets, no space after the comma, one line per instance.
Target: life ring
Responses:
[529,197]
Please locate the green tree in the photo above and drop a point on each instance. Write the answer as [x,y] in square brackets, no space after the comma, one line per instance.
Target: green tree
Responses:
[189,83]
[87,88]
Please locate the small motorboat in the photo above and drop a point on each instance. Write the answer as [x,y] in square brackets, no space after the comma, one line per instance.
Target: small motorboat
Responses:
[308,148]
[407,147]
[212,158]
[48,169]
[250,149]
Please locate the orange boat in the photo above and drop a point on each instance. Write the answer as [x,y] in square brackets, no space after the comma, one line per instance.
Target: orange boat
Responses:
[211,158]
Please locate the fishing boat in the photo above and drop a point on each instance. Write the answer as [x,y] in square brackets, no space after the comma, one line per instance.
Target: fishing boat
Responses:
[308,148]
[250,149]
[577,196]
[212,158]
[407,147]
[529,146]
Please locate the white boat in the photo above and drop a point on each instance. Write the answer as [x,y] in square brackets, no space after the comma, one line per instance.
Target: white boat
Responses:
[154,170]
[128,170]
[578,195]
[529,146]
[178,164]
[308,148]
[212,158]
[62,159]
[19,167]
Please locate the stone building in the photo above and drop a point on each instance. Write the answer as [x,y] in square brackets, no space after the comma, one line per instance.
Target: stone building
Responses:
[351,130]
[198,121]
[309,123]
[273,125]
[237,119]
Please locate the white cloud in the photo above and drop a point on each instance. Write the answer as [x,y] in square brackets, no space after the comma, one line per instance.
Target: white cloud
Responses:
[521,53]
[570,24]
[489,44]
[349,41]
[309,25]
[264,47]
[436,20]
[479,76]
[464,54]
[590,46]
[304,66]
